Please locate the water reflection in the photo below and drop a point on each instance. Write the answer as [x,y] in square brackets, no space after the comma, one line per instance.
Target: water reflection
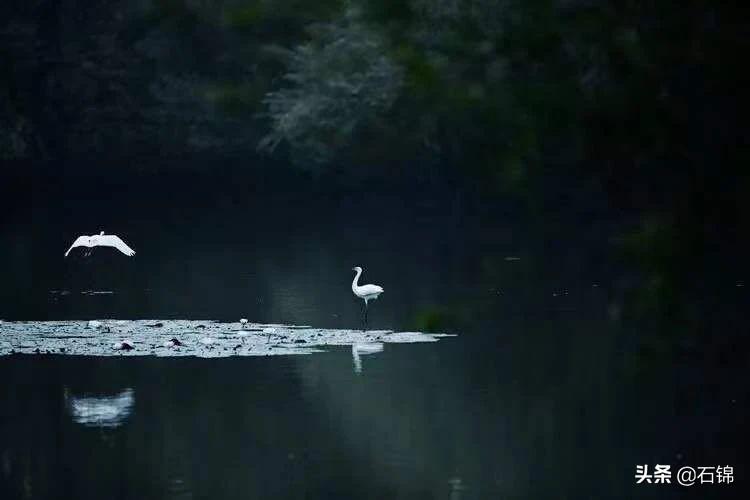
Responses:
[103,411]
[363,349]
[456,488]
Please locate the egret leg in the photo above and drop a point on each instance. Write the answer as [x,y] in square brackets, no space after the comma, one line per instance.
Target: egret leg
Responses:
[362,317]
[366,309]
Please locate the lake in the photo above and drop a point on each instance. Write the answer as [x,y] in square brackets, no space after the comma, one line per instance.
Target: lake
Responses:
[540,394]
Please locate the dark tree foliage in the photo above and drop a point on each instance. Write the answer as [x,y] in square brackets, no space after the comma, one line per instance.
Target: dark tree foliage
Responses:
[500,90]
[640,96]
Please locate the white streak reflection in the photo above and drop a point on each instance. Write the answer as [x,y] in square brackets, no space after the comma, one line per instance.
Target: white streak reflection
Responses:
[457,488]
[363,349]
[104,411]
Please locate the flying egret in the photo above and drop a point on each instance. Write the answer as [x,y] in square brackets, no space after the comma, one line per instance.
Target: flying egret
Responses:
[101,240]
[365,292]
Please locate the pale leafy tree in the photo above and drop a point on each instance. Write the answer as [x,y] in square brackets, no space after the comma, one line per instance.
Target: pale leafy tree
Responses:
[336,82]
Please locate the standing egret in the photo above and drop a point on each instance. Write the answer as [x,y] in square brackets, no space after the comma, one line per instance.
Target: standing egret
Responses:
[101,240]
[365,292]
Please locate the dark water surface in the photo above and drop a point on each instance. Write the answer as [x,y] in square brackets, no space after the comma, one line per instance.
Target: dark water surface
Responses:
[537,396]
[448,420]
[461,418]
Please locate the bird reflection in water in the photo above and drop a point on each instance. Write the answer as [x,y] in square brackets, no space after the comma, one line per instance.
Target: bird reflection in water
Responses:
[362,349]
[457,488]
[103,411]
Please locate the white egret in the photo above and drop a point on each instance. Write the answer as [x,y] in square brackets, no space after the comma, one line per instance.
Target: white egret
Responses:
[101,240]
[365,292]
[268,332]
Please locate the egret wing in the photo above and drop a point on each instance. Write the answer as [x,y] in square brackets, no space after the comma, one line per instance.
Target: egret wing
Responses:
[110,240]
[370,289]
[77,243]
